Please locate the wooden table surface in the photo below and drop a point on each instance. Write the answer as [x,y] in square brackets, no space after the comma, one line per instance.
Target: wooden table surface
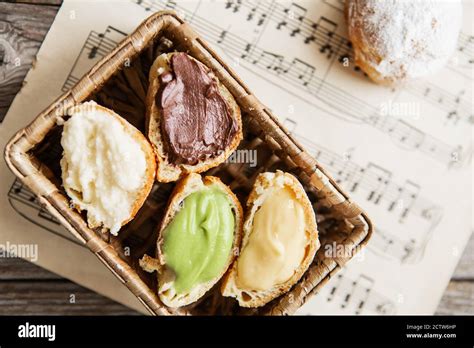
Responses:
[28,289]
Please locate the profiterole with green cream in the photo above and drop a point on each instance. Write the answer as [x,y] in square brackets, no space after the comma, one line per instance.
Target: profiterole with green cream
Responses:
[198,239]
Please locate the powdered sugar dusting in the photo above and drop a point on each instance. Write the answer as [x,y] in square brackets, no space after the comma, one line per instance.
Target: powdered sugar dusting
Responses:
[405,39]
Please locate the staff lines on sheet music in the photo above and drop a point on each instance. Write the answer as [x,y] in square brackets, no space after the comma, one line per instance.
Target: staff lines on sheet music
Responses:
[413,248]
[70,82]
[359,291]
[338,5]
[272,9]
[387,244]
[279,14]
[234,45]
[443,99]
[22,194]
[368,180]
[362,177]
[97,44]
[267,59]
[321,38]
[285,70]
[308,28]
[324,39]
[150,5]
[101,42]
[291,73]
[466,44]
[18,192]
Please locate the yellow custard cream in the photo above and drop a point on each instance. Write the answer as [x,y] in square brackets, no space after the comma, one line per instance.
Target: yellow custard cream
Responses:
[276,244]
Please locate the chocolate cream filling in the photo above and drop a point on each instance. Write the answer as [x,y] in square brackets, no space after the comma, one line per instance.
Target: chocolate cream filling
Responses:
[196,120]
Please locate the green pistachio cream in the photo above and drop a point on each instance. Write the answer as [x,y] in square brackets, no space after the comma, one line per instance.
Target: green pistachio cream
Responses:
[198,241]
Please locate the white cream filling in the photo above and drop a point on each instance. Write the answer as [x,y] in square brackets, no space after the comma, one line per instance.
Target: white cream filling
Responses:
[103,166]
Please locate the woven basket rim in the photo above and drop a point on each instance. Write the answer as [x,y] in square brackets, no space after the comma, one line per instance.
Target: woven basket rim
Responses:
[21,163]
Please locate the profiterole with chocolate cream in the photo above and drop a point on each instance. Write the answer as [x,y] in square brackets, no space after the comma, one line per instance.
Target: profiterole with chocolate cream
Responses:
[193,121]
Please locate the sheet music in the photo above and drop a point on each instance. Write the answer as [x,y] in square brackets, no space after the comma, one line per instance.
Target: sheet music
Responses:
[404,155]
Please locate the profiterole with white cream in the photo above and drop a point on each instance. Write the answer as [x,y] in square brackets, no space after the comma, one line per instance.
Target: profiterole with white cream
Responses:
[108,166]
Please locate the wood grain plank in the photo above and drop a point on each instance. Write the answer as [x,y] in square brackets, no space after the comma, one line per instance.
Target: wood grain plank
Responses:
[54,297]
[22,29]
[38,2]
[465,267]
[457,299]
[26,289]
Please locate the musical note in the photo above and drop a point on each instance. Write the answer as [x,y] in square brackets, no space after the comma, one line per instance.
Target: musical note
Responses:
[304,70]
[358,296]
[93,52]
[222,36]
[170,4]
[247,49]
[293,19]
[406,134]
[311,37]
[251,13]
[328,27]
[261,19]
[344,51]
[361,289]
[233,5]
[453,117]
[27,205]
[97,45]
[407,195]
[271,61]
[322,32]
[260,10]
[455,105]
[465,50]
[382,180]
[384,242]
[376,181]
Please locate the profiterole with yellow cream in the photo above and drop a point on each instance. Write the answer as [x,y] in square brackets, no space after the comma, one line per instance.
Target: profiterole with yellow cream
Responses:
[280,239]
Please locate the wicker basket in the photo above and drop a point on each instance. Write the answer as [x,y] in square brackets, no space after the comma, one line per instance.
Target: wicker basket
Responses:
[119,81]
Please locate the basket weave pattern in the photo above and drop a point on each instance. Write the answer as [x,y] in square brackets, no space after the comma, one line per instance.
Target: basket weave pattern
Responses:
[120,81]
